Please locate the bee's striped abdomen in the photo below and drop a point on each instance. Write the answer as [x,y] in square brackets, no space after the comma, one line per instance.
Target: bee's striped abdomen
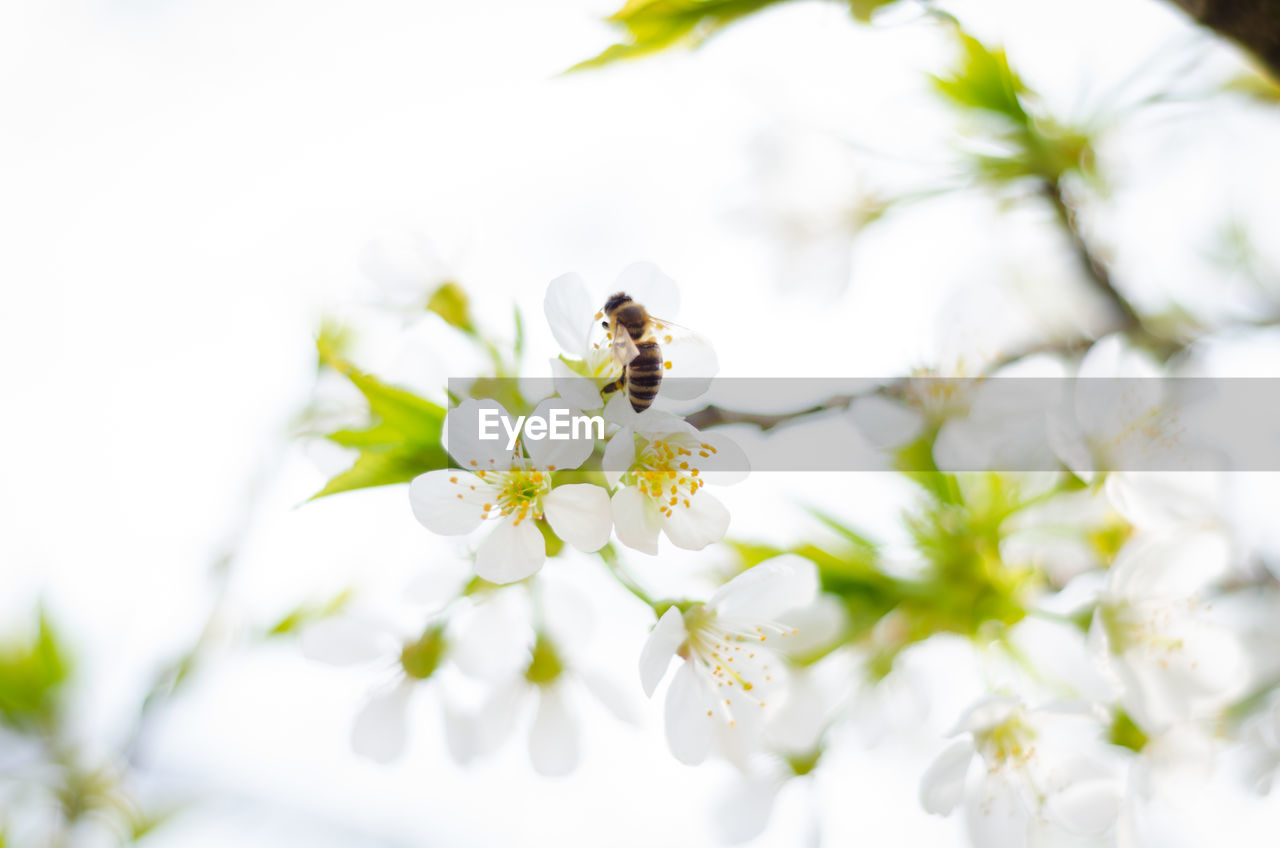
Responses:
[644,375]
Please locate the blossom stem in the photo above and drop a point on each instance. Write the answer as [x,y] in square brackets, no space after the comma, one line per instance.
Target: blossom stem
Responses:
[610,558]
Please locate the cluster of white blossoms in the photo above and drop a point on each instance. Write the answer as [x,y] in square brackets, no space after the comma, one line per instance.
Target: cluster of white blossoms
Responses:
[1124,564]
[648,477]
[656,466]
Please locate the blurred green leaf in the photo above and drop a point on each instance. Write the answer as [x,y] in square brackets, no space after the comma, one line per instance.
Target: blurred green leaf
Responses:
[450,302]
[309,613]
[984,81]
[518,345]
[1018,140]
[655,25]
[31,673]
[862,10]
[402,440]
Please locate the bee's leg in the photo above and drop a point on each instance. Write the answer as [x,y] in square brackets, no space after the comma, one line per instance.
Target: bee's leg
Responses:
[616,385]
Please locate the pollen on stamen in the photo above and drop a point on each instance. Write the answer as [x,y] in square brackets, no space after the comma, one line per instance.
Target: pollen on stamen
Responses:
[453,479]
[473,462]
[667,365]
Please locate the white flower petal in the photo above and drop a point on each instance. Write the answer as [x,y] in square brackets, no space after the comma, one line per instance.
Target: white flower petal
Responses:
[568,308]
[498,715]
[567,611]
[381,728]
[667,636]
[459,734]
[986,713]
[555,453]
[553,738]
[618,411]
[608,693]
[727,465]
[817,625]
[577,391]
[693,365]
[1088,807]
[462,429]
[742,813]
[435,500]
[345,640]
[1168,566]
[1165,500]
[766,591]
[636,520]
[513,551]
[490,639]
[689,717]
[885,423]
[581,514]
[619,456]
[942,785]
[703,522]
[996,816]
[650,288]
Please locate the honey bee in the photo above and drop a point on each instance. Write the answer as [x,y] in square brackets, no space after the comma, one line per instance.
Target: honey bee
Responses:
[633,337]
[649,348]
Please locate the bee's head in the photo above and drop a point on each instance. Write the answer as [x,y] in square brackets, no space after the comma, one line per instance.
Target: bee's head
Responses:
[615,301]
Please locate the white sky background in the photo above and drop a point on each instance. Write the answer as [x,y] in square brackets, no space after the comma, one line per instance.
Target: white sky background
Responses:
[186,187]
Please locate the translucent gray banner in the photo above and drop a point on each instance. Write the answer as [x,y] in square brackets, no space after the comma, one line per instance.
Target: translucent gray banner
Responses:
[910,424]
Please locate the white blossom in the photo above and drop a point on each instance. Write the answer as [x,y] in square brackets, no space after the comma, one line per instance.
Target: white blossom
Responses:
[478,641]
[726,682]
[1122,415]
[1040,774]
[1152,632]
[547,686]
[499,486]
[660,466]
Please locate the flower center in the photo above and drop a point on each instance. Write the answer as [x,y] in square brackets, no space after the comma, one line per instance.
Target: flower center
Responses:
[731,655]
[667,471]
[1011,741]
[1130,626]
[519,493]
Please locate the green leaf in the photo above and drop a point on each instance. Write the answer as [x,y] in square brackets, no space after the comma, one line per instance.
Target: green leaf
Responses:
[309,613]
[402,440]
[655,25]
[31,674]
[984,81]
[862,10]
[450,302]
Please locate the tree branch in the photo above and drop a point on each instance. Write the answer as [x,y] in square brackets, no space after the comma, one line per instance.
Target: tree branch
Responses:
[1095,271]
[1253,24]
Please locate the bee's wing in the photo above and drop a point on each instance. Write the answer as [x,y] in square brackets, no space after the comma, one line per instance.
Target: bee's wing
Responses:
[624,349]
[689,360]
